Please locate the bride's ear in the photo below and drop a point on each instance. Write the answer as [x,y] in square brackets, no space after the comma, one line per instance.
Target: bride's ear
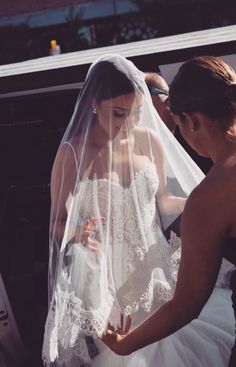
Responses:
[94,105]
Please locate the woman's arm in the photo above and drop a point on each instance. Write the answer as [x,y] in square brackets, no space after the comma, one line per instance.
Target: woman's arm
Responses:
[203,231]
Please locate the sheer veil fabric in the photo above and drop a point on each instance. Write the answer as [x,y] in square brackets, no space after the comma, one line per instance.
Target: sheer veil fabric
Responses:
[119,184]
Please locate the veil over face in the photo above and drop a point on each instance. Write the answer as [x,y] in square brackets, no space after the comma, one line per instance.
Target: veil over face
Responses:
[119,183]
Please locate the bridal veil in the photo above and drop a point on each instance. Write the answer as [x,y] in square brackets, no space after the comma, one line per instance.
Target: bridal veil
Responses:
[119,184]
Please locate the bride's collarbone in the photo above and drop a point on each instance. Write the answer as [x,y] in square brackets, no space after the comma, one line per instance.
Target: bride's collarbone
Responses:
[119,168]
[125,173]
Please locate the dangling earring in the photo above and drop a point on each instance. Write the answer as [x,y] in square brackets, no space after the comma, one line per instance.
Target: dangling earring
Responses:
[94,110]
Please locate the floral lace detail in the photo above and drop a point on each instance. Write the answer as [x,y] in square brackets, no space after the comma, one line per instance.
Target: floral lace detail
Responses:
[68,324]
[174,241]
[225,273]
[140,274]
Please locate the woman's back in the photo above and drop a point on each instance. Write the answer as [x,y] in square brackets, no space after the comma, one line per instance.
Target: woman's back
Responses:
[220,186]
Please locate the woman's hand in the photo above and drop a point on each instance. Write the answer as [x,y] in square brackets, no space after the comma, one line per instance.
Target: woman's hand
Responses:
[115,338]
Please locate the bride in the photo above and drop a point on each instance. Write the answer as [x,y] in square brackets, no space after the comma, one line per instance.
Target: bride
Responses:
[119,185]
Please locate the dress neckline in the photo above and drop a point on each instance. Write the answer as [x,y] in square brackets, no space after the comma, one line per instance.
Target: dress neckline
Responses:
[142,172]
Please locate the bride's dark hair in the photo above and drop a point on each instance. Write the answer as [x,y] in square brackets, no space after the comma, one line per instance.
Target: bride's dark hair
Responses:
[108,81]
[205,84]
[105,81]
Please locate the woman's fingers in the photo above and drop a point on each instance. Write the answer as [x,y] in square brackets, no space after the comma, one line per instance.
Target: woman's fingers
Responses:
[128,324]
[121,329]
[110,333]
[121,321]
[113,340]
[110,327]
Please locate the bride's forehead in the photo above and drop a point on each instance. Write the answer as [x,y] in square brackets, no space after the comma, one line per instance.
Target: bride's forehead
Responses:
[125,101]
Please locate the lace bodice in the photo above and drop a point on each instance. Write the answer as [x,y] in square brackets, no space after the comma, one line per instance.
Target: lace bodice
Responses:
[126,207]
[135,269]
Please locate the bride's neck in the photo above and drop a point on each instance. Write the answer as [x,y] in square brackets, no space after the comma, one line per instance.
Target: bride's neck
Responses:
[97,138]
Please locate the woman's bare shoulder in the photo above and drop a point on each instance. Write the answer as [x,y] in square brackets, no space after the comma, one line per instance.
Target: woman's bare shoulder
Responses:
[207,188]
[215,195]
[221,180]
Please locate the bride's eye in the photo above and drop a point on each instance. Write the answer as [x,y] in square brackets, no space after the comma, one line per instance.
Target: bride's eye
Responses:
[119,114]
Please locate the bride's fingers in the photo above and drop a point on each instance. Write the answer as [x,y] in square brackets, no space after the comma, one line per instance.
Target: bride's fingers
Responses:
[91,223]
[87,233]
[88,236]
[84,238]
[128,324]
[86,225]
[93,248]
[94,243]
[96,220]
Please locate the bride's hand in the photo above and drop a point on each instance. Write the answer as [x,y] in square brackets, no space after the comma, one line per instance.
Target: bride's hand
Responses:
[115,338]
[88,230]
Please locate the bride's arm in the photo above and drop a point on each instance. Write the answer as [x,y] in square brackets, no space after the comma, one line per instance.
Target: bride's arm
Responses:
[62,186]
[167,202]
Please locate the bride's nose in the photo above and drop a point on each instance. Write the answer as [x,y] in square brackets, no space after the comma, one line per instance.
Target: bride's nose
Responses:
[134,118]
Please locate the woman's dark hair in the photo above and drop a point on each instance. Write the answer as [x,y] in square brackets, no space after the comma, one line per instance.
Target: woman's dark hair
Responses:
[204,84]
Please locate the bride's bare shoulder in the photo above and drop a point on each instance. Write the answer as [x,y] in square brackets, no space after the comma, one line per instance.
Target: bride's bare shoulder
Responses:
[141,132]
[67,153]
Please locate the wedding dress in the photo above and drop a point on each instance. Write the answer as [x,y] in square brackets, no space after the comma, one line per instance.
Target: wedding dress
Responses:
[134,268]
[212,333]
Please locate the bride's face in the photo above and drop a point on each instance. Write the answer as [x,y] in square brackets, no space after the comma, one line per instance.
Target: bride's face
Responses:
[119,114]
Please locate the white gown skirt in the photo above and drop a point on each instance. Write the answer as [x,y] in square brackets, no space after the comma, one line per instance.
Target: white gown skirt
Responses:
[205,342]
